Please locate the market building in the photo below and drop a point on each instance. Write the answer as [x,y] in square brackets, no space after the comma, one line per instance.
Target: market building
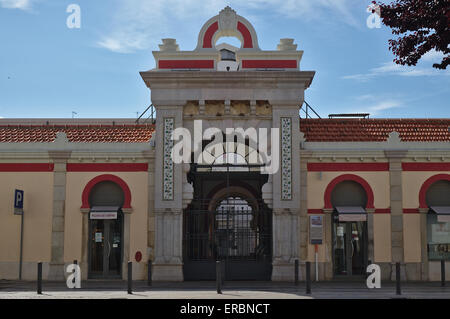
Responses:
[107,191]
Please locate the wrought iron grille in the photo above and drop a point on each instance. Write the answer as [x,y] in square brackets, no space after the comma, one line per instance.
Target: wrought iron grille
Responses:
[234,230]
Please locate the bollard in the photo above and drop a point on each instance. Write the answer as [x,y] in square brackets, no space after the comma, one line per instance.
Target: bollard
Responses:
[443,273]
[130,277]
[149,275]
[218,277]
[296,271]
[39,278]
[397,278]
[308,277]
[75,262]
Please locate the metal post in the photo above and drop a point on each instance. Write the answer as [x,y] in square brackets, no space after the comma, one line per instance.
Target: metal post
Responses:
[39,278]
[149,273]
[130,277]
[308,277]
[397,278]
[21,247]
[218,278]
[296,272]
[443,273]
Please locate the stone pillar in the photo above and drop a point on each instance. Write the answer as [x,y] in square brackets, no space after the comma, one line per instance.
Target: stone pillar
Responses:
[168,196]
[303,219]
[286,191]
[396,195]
[168,263]
[56,269]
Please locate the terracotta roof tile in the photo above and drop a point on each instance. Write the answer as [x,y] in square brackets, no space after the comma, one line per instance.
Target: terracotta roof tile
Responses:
[77,133]
[375,130]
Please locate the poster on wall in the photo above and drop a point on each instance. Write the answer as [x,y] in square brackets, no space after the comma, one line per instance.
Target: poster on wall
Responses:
[440,233]
[315,230]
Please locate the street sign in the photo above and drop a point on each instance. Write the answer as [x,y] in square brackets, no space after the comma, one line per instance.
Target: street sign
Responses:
[18,202]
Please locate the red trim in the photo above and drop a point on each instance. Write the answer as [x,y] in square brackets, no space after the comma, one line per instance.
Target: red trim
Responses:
[427,184]
[186,64]
[248,43]
[207,38]
[102,178]
[411,211]
[276,64]
[349,167]
[424,167]
[348,177]
[382,211]
[107,167]
[27,167]
[315,211]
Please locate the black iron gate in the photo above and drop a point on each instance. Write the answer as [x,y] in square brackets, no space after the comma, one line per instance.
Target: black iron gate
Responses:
[233,229]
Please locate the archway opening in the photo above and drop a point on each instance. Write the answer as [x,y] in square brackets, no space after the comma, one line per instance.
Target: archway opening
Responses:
[350,243]
[106,199]
[438,220]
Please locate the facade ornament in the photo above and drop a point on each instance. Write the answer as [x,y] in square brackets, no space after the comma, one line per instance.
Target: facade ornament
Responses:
[227,19]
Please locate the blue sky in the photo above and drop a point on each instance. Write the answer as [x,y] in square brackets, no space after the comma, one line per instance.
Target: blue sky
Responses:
[49,70]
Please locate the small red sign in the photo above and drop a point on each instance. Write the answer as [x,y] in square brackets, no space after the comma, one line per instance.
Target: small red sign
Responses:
[138,256]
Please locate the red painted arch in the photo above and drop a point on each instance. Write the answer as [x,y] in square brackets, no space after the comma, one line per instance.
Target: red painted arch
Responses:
[101,178]
[426,185]
[349,177]
[207,38]
[246,35]
[214,27]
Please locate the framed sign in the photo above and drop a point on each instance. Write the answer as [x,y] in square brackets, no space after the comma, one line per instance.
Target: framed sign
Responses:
[315,230]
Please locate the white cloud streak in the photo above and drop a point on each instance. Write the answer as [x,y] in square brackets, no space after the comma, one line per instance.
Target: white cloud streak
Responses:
[393,69]
[138,23]
[16,4]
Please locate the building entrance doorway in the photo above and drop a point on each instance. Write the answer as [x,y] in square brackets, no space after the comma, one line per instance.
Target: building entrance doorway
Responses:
[105,247]
[227,221]
[105,234]
[350,253]
[349,229]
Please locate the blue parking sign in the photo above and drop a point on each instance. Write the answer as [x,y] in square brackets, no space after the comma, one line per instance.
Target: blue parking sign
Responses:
[18,200]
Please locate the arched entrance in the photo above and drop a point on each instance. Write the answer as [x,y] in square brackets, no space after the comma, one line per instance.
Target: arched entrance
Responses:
[437,199]
[349,200]
[105,239]
[227,221]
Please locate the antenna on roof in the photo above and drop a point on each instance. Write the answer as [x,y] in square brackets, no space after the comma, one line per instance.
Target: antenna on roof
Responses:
[73,114]
[355,115]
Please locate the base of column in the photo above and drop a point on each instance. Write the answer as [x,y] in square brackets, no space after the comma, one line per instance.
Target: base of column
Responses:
[283,272]
[167,272]
[56,272]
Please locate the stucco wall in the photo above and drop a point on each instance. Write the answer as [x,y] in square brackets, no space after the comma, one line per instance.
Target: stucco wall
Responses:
[382,237]
[38,200]
[317,186]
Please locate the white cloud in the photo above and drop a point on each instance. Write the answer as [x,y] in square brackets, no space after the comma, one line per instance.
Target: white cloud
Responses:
[16,4]
[393,69]
[376,105]
[433,56]
[137,23]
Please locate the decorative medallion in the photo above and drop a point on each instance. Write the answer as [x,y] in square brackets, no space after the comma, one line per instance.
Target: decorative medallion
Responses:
[167,159]
[286,158]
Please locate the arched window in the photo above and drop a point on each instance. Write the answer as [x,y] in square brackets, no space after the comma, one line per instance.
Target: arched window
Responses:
[106,193]
[349,193]
[438,220]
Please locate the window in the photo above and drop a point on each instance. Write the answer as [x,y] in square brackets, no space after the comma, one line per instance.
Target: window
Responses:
[438,238]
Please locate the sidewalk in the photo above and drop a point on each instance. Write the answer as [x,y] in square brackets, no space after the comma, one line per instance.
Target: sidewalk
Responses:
[231,290]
